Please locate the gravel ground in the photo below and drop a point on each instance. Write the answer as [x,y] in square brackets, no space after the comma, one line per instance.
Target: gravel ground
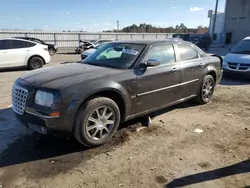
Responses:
[186,146]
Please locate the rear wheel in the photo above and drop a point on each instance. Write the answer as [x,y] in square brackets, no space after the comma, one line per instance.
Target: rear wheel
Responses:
[97,122]
[206,90]
[35,63]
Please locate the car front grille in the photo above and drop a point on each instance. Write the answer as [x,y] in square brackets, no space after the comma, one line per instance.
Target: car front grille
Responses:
[19,96]
[238,66]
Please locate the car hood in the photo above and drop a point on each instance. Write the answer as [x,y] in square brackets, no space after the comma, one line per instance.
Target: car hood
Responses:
[237,58]
[89,52]
[65,75]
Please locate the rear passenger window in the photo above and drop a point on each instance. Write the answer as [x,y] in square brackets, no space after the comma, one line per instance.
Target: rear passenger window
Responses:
[187,52]
[16,44]
[4,44]
[163,53]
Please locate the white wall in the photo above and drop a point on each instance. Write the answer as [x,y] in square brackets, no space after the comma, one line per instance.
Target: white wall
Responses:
[219,24]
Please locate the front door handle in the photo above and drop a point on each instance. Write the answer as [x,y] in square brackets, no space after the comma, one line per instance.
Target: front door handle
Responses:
[4,52]
[174,69]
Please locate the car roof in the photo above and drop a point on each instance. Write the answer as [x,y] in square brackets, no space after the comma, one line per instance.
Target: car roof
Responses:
[15,38]
[26,38]
[150,42]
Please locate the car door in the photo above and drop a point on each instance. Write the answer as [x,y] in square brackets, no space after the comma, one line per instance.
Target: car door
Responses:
[19,51]
[5,57]
[192,66]
[159,85]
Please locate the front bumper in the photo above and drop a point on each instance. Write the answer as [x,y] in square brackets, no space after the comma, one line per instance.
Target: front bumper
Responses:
[45,124]
[228,72]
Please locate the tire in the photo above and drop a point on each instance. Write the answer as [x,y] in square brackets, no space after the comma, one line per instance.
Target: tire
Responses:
[87,118]
[206,90]
[52,51]
[35,63]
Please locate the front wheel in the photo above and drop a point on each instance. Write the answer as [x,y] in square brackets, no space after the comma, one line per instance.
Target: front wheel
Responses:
[206,91]
[97,121]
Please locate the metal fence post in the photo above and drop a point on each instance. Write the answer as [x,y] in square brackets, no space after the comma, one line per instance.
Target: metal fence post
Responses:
[131,36]
[26,34]
[55,38]
[100,36]
[79,38]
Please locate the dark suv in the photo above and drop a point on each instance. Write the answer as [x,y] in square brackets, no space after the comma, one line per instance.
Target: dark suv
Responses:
[120,81]
[51,47]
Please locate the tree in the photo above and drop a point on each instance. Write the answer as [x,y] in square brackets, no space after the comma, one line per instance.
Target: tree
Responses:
[148,28]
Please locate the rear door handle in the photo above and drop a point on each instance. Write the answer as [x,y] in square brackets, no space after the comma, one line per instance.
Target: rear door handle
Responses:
[4,52]
[202,64]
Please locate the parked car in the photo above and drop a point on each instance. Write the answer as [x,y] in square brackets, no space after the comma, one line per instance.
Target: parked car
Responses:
[84,45]
[204,42]
[237,61]
[52,48]
[89,45]
[18,52]
[88,52]
[120,81]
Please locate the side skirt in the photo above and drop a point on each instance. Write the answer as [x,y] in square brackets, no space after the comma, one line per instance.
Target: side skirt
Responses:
[161,107]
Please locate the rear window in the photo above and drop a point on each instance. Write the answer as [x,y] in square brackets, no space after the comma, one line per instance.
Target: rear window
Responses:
[16,44]
[187,52]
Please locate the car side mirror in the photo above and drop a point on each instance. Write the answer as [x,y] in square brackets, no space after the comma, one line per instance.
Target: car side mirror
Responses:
[153,62]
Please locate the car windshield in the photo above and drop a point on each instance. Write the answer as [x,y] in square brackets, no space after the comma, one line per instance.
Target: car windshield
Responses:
[115,55]
[241,47]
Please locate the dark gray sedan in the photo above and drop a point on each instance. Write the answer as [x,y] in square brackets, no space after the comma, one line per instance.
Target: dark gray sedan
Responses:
[118,82]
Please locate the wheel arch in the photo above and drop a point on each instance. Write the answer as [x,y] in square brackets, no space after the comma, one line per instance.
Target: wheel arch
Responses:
[111,93]
[44,62]
[211,70]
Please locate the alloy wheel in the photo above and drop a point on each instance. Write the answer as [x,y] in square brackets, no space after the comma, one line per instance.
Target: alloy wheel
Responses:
[100,123]
[207,90]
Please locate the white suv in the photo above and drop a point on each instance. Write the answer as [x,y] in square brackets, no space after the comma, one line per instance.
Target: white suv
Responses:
[19,52]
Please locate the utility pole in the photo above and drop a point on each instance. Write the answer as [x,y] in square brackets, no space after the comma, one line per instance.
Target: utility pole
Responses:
[215,15]
[117,25]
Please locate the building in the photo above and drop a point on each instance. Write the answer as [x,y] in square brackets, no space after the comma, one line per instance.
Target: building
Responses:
[237,20]
[219,26]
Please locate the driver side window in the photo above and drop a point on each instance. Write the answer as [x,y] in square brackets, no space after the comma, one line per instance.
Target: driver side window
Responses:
[110,53]
[163,53]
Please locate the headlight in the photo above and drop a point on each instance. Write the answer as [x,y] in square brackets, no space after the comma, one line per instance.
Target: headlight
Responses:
[224,65]
[44,98]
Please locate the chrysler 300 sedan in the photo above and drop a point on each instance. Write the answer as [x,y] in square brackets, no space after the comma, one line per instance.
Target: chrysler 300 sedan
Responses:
[118,82]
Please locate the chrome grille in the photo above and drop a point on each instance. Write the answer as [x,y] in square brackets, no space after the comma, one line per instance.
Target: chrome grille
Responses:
[19,96]
[238,66]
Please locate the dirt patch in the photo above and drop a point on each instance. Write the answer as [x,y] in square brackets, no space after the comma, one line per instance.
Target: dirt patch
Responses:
[204,165]
[161,179]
